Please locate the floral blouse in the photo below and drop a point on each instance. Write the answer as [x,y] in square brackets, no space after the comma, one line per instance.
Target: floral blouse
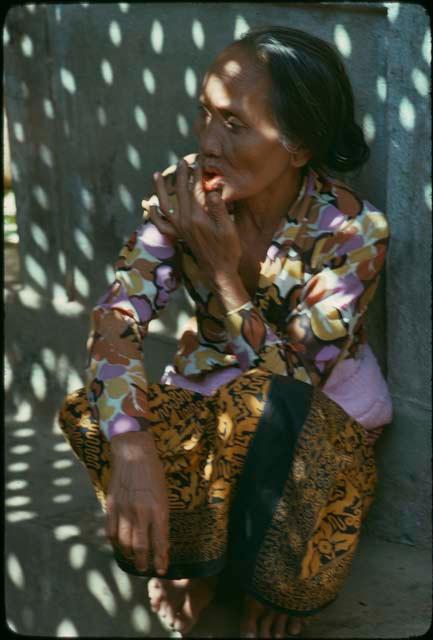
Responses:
[320,272]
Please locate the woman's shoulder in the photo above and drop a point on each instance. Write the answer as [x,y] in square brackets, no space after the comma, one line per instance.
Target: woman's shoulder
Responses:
[339,204]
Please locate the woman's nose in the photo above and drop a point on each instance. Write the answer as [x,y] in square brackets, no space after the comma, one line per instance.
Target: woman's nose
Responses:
[209,138]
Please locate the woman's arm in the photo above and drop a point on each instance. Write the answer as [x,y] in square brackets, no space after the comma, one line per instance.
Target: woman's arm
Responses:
[145,275]
[345,267]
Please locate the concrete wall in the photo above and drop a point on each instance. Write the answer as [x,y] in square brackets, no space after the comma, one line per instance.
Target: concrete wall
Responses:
[99,96]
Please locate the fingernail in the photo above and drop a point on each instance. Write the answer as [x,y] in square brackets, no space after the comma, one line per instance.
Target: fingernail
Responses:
[156,175]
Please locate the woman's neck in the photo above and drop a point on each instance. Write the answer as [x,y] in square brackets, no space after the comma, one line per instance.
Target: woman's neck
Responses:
[265,210]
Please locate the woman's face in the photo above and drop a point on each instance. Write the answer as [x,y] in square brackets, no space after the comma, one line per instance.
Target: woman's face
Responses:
[240,145]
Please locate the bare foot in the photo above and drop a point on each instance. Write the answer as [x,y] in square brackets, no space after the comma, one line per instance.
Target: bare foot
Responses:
[179,603]
[259,621]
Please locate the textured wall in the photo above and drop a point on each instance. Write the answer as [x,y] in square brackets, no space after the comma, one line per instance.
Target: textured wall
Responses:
[99,96]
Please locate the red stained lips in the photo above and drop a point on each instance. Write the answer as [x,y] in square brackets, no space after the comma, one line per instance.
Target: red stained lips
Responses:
[212,180]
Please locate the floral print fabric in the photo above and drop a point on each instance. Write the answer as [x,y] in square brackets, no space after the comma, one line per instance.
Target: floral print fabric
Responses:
[320,273]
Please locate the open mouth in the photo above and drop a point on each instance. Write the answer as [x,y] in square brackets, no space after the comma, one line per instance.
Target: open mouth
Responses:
[212,181]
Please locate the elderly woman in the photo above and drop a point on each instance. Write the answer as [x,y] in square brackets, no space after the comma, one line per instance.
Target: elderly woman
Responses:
[254,453]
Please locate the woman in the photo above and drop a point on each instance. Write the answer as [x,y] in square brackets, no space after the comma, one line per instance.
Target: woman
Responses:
[255,452]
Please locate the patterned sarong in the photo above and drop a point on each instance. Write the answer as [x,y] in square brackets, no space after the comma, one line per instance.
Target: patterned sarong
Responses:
[268,476]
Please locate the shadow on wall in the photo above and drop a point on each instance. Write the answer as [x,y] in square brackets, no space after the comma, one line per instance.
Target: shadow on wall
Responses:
[97,98]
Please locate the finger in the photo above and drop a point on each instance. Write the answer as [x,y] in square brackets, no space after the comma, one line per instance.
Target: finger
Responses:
[111,520]
[198,191]
[159,540]
[161,192]
[140,546]
[164,226]
[183,194]
[124,535]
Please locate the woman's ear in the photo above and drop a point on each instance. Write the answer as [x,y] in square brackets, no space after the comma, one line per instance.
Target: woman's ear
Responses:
[300,155]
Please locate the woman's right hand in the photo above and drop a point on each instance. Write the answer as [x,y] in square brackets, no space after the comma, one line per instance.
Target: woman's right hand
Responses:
[137,502]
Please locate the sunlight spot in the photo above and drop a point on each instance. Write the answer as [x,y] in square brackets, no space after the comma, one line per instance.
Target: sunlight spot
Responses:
[173,158]
[46,155]
[124,7]
[182,125]
[23,414]
[115,33]
[421,82]
[241,27]
[84,244]
[21,449]
[140,118]
[61,498]
[18,467]
[25,432]
[157,36]
[68,80]
[63,463]
[8,375]
[407,114]
[61,261]
[27,46]
[74,381]
[29,297]
[109,274]
[369,127]
[81,282]
[19,131]
[15,172]
[87,199]
[65,531]
[48,358]
[66,629]
[99,588]
[342,40]
[6,36]
[122,580]
[17,501]
[133,157]
[41,196]
[59,14]
[393,11]
[198,36]
[61,446]
[59,293]
[190,82]
[140,619]
[62,482]
[77,555]
[20,516]
[25,90]
[149,80]
[426,46]
[15,571]
[102,116]
[107,71]
[126,198]
[381,88]
[48,108]
[38,381]
[39,236]
[16,485]
[428,195]
[35,271]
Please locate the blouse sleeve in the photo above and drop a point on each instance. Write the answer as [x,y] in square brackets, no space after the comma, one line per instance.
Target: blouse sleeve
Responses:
[325,311]
[145,274]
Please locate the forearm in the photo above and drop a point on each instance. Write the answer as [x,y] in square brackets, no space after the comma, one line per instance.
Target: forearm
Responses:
[230,291]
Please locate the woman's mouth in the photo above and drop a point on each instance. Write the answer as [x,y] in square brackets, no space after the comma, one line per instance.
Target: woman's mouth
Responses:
[212,181]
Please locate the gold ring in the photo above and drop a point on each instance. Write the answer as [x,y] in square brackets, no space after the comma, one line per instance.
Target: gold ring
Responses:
[170,211]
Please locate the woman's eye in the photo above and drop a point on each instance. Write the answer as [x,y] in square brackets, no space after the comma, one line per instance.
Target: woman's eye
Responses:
[234,124]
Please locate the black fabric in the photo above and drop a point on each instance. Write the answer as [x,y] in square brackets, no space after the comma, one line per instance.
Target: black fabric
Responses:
[265,472]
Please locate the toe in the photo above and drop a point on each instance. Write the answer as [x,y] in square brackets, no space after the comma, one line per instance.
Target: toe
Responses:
[280,626]
[155,593]
[250,618]
[266,624]
[294,626]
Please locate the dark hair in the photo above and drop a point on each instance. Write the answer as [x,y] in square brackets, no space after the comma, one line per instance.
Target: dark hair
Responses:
[311,99]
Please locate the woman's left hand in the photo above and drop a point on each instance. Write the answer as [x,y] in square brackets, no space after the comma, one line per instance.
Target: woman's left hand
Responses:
[202,221]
